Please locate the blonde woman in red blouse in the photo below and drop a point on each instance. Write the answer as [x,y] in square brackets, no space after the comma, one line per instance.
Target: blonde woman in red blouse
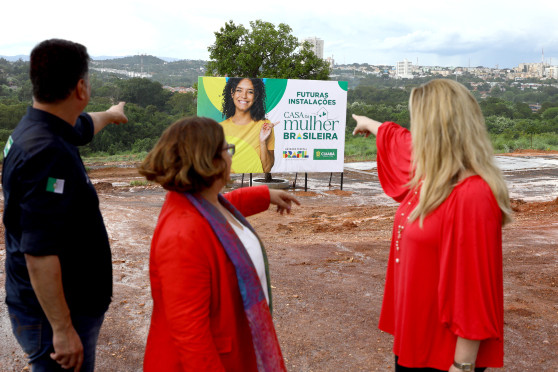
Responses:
[443,299]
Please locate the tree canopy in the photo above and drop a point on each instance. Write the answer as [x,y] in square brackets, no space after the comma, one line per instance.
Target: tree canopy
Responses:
[263,51]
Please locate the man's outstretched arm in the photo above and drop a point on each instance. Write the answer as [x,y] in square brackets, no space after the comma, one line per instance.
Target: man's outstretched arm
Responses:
[115,115]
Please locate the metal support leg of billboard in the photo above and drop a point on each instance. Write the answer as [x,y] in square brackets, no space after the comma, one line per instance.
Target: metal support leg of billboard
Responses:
[306,181]
[331,175]
[242,181]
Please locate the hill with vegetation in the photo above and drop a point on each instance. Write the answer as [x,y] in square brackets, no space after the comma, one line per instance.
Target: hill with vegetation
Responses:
[178,73]
[508,106]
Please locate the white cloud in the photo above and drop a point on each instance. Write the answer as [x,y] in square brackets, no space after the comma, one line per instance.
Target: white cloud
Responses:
[487,32]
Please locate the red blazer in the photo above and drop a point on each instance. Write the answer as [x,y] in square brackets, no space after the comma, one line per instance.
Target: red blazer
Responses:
[198,321]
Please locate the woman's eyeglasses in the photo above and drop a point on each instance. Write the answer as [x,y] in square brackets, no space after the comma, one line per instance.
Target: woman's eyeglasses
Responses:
[230,148]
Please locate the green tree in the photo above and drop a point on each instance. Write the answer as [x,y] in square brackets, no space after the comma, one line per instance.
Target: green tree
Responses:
[25,93]
[530,128]
[496,107]
[182,104]
[498,124]
[546,105]
[373,95]
[263,51]
[143,92]
[11,114]
[522,110]
[550,113]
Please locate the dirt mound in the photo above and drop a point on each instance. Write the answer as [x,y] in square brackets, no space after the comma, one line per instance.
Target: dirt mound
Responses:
[339,192]
[110,171]
[522,207]
[306,193]
[104,187]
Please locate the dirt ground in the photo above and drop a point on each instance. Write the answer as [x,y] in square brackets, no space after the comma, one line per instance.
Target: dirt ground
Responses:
[328,260]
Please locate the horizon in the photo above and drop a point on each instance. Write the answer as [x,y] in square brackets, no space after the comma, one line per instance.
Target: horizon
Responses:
[25,58]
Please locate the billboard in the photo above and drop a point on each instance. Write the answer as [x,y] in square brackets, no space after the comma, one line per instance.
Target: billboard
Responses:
[279,125]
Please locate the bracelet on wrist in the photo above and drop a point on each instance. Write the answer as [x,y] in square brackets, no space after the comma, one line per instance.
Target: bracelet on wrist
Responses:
[468,367]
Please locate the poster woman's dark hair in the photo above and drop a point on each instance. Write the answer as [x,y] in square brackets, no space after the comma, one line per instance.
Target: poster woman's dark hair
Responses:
[257,111]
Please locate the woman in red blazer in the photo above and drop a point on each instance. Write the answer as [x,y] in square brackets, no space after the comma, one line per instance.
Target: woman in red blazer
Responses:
[208,270]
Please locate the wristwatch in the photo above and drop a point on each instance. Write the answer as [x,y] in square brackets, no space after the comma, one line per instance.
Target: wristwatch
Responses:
[468,367]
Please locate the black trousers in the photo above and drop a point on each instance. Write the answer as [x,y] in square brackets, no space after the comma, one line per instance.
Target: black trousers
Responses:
[399,368]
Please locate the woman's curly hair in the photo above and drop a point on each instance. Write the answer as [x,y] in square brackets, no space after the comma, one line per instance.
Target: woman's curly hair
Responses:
[188,157]
[257,111]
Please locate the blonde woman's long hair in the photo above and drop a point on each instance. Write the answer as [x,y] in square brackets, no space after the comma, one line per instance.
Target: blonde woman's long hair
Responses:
[449,140]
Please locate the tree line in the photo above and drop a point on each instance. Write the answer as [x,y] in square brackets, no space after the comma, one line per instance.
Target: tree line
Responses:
[511,123]
[150,109]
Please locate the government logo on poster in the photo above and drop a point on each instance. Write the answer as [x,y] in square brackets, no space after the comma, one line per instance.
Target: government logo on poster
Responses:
[325,154]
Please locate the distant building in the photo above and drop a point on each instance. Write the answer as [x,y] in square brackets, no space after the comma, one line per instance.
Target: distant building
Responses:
[404,69]
[531,70]
[535,107]
[551,72]
[144,75]
[317,46]
[179,89]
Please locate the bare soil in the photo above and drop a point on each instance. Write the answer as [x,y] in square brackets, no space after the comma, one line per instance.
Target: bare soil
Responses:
[328,260]
[530,152]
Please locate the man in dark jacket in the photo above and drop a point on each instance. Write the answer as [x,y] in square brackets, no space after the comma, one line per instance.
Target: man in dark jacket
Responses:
[58,261]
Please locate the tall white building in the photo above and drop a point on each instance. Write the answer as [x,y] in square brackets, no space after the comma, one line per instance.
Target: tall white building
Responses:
[552,72]
[317,46]
[404,69]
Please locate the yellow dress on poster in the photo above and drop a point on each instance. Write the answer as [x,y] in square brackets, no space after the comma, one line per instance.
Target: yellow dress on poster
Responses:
[246,138]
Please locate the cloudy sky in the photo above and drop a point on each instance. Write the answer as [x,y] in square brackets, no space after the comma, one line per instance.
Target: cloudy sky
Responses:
[432,32]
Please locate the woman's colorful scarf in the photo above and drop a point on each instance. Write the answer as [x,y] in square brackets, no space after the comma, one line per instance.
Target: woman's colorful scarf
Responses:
[266,345]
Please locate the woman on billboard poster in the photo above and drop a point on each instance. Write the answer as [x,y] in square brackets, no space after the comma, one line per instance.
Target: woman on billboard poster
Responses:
[246,126]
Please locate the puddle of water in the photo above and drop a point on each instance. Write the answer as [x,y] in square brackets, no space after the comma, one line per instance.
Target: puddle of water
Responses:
[533,190]
[513,163]
[505,163]
[363,166]
[529,187]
